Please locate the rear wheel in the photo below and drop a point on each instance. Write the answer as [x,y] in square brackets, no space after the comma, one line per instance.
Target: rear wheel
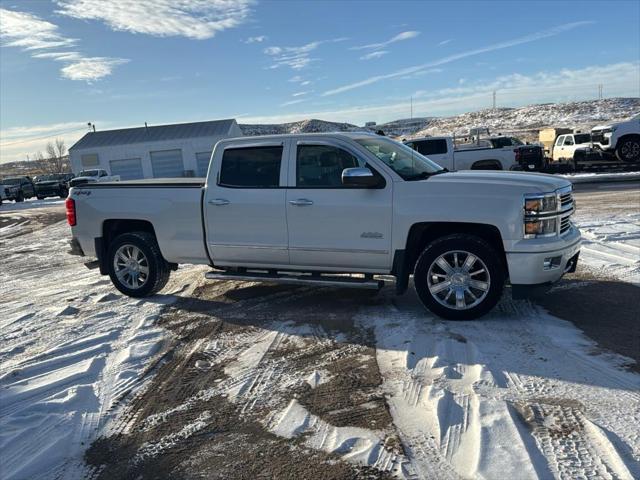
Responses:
[459,277]
[628,149]
[20,197]
[136,265]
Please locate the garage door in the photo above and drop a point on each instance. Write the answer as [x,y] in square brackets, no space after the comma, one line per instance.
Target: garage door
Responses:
[128,168]
[203,163]
[167,164]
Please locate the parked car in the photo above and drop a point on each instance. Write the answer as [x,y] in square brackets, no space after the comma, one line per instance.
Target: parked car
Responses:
[18,188]
[469,156]
[93,176]
[54,185]
[304,208]
[622,138]
[565,146]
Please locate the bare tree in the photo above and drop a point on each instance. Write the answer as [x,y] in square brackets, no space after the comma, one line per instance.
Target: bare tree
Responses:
[41,164]
[57,155]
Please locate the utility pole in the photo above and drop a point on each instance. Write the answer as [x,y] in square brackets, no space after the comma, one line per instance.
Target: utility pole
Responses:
[600,91]
[411,107]
[494,99]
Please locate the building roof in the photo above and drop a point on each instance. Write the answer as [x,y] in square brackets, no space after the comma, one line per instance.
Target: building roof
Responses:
[124,136]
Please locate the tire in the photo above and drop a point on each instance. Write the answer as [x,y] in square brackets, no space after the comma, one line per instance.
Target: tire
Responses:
[40,198]
[487,272]
[628,149]
[157,267]
[20,197]
[64,193]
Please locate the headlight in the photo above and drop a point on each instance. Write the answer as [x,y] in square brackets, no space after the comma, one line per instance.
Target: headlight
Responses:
[540,204]
[544,227]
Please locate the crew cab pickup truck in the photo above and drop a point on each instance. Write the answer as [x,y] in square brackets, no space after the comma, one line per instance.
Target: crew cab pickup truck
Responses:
[622,138]
[498,153]
[310,208]
[93,176]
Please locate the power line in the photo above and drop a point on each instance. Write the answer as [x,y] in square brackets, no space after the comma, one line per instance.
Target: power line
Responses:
[41,138]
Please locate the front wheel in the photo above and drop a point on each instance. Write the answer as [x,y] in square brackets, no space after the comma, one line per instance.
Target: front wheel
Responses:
[136,265]
[20,197]
[628,149]
[459,277]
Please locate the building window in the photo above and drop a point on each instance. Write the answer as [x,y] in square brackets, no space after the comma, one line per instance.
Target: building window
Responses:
[89,160]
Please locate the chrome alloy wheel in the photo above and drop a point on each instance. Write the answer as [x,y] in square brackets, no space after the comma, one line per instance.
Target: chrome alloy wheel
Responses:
[458,280]
[131,266]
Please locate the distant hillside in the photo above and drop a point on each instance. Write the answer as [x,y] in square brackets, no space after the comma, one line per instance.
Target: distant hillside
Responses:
[303,126]
[522,121]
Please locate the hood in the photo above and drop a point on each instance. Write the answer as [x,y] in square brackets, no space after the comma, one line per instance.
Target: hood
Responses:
[48,182]
[527,182]
[602,127]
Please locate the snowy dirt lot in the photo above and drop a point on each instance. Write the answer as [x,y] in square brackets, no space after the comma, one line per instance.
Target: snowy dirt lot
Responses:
[244,380]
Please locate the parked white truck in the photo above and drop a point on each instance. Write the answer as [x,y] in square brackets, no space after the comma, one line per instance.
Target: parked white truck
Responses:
[622,138]
[307,208]
[495,153]
[96,175]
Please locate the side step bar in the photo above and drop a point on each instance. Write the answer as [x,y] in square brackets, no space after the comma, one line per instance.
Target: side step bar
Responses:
[322,280]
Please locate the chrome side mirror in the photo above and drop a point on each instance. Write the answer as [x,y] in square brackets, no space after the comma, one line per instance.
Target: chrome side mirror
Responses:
[359,177]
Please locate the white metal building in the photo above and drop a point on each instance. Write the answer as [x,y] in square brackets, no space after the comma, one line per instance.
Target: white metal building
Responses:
[163,151]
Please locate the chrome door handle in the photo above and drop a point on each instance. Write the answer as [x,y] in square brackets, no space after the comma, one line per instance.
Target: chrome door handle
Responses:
[301,202]
[219,201]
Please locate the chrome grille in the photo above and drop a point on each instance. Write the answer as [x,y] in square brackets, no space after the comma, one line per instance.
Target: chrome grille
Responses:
[566,199]
[565,224]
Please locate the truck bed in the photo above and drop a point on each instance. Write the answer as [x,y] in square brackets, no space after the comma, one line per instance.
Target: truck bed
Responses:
[171,206]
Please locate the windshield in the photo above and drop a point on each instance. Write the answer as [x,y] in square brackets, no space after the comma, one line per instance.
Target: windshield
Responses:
[582,138]
[45,178]
[12,181]
[89,173]
[406,162]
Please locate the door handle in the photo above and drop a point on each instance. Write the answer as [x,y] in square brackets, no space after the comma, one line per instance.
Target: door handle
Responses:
[301,202]
[219,201]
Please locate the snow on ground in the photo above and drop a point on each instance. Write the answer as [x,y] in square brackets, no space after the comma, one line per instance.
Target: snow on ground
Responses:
[529,400]
[70,349]
[611,243]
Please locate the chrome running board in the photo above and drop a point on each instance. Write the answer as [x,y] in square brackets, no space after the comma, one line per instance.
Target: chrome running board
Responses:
[322,280]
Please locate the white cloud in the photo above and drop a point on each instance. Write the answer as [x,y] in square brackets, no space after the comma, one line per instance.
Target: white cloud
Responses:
[292,102]
[299,94]
[458,56]
[296,58]
[258,39]
[42,39]
[372,55]
[620,80]
[398,38]
[91,68]
[197,19]
[444,42]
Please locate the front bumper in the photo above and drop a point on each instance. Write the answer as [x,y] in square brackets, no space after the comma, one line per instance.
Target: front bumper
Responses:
[534,268]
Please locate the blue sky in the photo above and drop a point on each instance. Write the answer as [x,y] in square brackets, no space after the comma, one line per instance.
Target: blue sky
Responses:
[120,63]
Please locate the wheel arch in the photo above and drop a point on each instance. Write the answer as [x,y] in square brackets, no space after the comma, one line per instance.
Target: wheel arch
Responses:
[489,164]
[113,227]
[423,233]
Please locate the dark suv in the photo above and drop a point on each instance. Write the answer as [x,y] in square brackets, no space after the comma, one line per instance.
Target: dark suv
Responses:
[19,188]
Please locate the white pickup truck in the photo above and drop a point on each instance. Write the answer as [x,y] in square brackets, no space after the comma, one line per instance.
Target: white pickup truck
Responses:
[622,138]
[496,153]
[96,175]
[310,208]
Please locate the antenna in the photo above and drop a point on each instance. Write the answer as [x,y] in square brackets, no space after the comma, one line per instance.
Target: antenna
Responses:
[411,107]
[600,87]
[494,99]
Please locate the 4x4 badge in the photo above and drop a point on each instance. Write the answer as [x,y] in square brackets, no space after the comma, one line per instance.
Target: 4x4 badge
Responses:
[371,235]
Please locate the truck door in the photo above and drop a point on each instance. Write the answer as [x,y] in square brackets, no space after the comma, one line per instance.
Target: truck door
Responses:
[331,225]
[244,204]
[568,147]
[558,149]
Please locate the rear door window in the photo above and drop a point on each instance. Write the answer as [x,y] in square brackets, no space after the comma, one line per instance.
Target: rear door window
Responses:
[251,167]
[431,147]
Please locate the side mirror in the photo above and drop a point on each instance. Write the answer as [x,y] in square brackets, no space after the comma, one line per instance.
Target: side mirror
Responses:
[359,177]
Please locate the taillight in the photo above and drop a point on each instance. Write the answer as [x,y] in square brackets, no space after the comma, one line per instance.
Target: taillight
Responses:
[70,203]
